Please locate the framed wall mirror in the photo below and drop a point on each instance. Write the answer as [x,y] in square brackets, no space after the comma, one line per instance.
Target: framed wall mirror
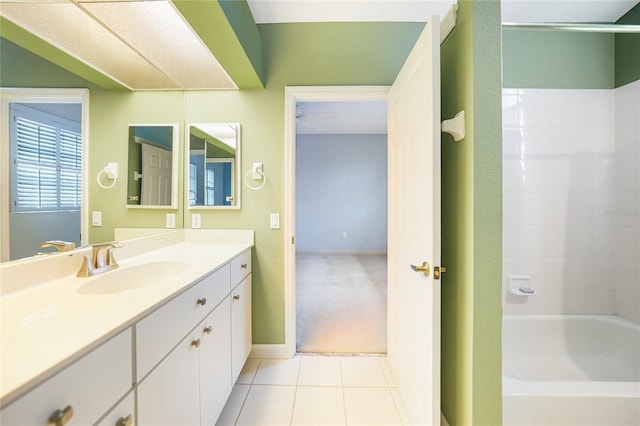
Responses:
[213,163]
[152,173]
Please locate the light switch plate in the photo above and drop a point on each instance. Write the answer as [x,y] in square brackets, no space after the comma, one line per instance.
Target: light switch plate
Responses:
[171,220]
[196,221]
[275,220]
[96,218]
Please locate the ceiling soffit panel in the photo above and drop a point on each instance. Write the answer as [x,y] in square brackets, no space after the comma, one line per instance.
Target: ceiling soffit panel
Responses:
[138,45]
[213,26]
[160,34]
[41,48]
[66,27]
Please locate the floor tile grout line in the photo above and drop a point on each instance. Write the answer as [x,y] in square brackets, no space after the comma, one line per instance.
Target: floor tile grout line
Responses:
[244,401]
[295,392]
[344,396]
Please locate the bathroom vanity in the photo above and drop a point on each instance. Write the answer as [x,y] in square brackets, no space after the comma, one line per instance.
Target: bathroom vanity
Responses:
[160,340]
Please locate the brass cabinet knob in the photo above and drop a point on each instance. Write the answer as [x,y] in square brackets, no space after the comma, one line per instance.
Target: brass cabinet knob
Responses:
[61,417]
[424,268]
[195,343]
[202,301]
[236,297]
[208,330]
[124,421]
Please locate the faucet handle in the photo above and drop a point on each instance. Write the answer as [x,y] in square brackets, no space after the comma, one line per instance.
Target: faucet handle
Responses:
[109,244]
[59,245]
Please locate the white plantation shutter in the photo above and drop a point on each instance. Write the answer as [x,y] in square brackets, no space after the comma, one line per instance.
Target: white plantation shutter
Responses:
[46,152]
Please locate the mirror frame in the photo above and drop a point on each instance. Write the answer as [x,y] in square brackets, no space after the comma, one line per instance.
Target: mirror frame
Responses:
[175,160]
[237,175]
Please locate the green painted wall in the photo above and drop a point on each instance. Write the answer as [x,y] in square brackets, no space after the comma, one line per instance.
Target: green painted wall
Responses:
[558,60]
[336,53]
[261,114]
[627,56]
[21,68]
[472,220]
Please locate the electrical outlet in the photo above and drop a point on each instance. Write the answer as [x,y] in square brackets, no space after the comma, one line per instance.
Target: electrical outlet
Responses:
[171,220]
[344,235]
[196,221]
[96,218]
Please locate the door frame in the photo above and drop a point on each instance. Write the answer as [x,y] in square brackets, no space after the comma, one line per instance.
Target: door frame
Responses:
[295,94]
[40,96]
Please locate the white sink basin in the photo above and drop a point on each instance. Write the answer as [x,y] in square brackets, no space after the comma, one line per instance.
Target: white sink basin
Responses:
[132,277]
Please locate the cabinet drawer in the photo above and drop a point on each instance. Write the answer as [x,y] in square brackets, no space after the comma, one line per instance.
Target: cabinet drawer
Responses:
[240,268]
[159,332]
[90,386]
[120,413]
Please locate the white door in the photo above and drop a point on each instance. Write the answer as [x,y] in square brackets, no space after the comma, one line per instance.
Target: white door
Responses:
[414,228]
[156,176]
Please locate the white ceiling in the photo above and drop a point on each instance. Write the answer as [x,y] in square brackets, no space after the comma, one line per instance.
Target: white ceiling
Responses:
[349,118]
[281,11]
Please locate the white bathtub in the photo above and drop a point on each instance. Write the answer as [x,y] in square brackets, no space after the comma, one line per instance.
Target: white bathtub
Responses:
[570,370]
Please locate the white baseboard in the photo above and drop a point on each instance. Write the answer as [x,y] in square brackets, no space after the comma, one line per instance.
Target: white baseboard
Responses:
[276,351]
[329,252]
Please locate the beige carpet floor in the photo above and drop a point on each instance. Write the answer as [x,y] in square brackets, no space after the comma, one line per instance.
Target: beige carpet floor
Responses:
[341,303]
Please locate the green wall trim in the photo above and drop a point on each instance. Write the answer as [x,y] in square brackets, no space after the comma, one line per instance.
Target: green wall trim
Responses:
[627,50]
[557,59]
[210,22]
[336,53]
[243,24]
[39,47]
[471,384]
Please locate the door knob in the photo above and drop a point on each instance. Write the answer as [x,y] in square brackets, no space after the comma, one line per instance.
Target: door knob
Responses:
[437,271]
[424,268]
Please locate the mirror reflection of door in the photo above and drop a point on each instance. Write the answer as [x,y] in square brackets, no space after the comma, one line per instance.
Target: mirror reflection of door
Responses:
[45,178]
[156,176]
[150,165]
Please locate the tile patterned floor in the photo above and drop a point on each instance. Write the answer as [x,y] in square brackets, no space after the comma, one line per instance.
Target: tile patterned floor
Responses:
[315,390]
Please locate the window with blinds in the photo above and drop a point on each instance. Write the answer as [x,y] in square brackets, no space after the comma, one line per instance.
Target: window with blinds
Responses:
[47,161]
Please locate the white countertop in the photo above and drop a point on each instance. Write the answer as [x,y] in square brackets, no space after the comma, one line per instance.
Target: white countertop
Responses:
[48,326]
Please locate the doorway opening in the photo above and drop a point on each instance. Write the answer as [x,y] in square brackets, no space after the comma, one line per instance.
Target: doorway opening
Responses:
[341,227]
[295,96]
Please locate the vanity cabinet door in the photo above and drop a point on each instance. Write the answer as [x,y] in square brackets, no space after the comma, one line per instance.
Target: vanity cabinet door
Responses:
[169,394]
[159,332]
[81,393]
[215,363]
[241,337]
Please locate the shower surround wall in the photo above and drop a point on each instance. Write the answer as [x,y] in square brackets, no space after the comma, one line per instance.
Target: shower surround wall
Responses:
[571,161]
[558,185]
[626,215]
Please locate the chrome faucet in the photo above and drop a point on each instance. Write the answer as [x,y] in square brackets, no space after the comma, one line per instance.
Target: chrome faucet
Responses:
[59,245]
[101,259]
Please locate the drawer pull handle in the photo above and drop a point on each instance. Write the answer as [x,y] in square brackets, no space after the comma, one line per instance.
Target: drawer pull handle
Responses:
[124,421]
[61,417]
[195,343]
[236,297]
[202,301]
[208,330]
[244,266]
